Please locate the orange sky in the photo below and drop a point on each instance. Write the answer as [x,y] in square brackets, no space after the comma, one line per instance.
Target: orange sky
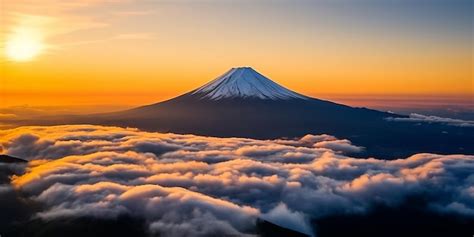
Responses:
[130,53]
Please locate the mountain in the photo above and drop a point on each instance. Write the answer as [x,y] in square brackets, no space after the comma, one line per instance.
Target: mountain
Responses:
[245,83]
[244,103]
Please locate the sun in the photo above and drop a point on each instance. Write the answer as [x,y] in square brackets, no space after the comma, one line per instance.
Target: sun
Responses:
[23,45]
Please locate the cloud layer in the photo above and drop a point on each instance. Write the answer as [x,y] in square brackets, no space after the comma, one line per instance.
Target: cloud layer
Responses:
[184,184]
[414,117]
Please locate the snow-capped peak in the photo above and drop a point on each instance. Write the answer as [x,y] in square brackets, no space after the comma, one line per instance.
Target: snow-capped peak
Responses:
[247,83]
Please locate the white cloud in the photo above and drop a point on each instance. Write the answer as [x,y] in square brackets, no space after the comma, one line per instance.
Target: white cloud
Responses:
[180,183]
[434,119]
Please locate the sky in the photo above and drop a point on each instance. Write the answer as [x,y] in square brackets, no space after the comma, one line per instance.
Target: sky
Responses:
[135,52]
[58,56]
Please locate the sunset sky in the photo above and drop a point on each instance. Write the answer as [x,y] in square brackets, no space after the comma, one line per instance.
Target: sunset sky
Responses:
[133,52]
[150,118]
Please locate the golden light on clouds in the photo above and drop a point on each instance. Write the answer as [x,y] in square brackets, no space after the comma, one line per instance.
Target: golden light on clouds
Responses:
[24,44]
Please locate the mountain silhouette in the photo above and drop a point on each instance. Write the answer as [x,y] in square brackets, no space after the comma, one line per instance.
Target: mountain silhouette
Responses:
[244,103]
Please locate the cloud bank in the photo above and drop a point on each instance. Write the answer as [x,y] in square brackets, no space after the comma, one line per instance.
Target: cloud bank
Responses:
[182,184]
[414,117]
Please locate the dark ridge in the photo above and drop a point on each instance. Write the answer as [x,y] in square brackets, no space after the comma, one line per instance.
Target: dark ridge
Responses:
[14,208]
[125,226]
[413,218]
[268,229]
[78,227]
[10,159]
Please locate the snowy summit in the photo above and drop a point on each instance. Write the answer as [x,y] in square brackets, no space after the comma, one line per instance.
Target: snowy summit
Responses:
[245,82]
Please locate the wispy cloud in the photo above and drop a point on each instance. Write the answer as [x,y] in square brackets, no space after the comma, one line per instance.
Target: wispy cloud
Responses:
[134,36]
[434,119]
[127,36]
[51,19]
[134,13]
[7,116]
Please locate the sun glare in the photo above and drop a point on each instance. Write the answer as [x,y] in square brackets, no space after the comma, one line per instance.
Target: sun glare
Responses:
[23,45]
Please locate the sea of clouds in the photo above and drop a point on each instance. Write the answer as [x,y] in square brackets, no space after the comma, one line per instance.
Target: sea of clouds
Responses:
[186,185]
